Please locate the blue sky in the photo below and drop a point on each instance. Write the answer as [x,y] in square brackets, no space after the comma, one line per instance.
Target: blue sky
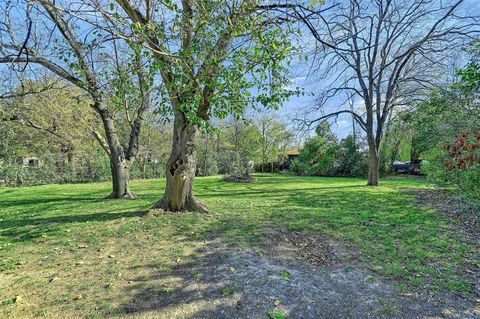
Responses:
[297,104]
[301,77]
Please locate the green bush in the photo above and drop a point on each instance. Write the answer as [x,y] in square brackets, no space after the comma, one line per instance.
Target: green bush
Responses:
[318,156]
[52,168]
[351,162]
[323,155]
[461,171]
[297,167]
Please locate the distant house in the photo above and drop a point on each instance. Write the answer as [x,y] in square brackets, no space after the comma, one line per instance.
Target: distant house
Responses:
[292,154]
[30,161]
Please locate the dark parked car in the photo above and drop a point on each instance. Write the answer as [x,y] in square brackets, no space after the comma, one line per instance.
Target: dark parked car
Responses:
[407,167]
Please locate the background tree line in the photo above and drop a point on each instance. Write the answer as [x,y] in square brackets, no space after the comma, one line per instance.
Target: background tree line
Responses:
[162,88]
[53,128]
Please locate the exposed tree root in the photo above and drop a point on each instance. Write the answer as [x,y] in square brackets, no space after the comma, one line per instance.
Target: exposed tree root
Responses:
[127,195]
[190,204]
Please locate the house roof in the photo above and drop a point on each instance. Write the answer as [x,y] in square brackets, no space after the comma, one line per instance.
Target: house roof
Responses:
[293,151]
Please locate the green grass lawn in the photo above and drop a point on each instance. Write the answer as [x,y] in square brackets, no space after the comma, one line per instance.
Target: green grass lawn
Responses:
[50,233]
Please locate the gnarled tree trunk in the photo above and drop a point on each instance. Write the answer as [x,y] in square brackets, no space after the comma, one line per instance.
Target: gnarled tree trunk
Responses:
[180,170]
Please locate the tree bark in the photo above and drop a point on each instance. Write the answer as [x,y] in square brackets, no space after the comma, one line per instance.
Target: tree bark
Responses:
[120,177]
[373,166]
[414,152]
[144,168]
[180,170]
[119,163]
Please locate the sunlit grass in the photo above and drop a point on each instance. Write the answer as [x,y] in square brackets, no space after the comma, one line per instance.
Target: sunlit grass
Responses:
[58,230]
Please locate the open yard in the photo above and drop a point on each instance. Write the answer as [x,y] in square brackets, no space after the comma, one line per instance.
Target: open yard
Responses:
[282,247]
[240,159]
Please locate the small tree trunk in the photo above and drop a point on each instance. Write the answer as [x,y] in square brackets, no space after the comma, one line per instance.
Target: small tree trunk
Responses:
[180,170]
[120,177]
[144,168]
[206,158]
[373,166]
[414,153]
[119,164]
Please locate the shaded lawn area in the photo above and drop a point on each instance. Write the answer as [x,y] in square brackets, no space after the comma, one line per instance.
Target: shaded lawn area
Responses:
[67,252]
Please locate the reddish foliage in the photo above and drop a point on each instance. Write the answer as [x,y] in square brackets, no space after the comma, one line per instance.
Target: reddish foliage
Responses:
[463,152]
[449,165]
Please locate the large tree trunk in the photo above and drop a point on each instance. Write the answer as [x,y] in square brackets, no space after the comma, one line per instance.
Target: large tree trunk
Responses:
[120,177]
[180,170]
[373,166]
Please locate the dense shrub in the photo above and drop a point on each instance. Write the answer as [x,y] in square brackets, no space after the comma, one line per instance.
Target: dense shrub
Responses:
[448,124]
[52,168]
[323,155]
[351,162]
[316,158]
[457,163]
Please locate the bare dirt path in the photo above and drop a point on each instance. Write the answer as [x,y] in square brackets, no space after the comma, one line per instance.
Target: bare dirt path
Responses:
[293,276]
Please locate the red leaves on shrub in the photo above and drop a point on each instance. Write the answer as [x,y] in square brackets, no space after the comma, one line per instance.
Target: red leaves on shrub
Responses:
[463,152]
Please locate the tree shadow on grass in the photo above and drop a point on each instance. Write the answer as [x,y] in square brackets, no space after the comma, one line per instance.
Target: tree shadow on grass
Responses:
[225,283]
[28,229]
[189,290]
[217,191]
[354,207]
[46,211]
[51,199]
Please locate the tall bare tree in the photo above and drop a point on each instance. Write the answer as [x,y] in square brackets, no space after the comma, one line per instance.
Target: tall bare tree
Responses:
[384,53]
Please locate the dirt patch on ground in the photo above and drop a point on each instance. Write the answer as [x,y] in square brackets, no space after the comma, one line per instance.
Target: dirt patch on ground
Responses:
[289,279]
[316,249]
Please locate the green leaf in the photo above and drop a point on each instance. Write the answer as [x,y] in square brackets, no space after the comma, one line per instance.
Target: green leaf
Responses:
[314,2]
[276,315]
[227,291]
[286,275]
